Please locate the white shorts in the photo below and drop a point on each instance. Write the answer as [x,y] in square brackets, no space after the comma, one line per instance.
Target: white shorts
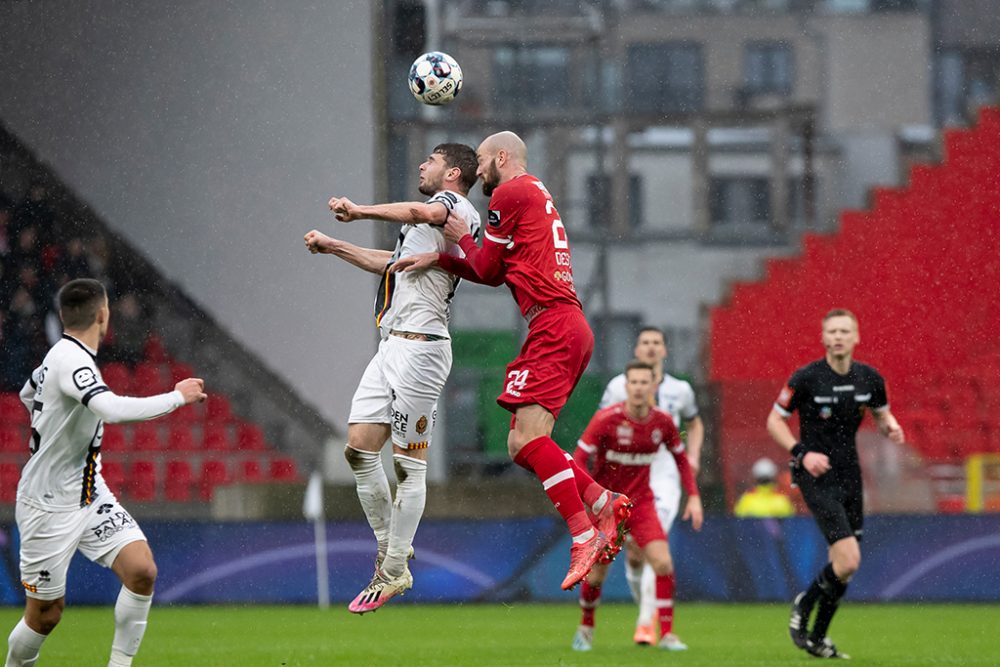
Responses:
[49,540]
[401,387]
[665,482]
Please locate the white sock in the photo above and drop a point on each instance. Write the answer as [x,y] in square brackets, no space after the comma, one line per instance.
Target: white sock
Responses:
[131,612]
[373,491]
[411,495]
[633,575]
[647,595]
[23,645]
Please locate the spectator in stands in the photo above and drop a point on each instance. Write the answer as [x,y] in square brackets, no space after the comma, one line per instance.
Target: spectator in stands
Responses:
[764,499]
[129,329]
[35,211]
[23,343]
[74,262]
[25,251]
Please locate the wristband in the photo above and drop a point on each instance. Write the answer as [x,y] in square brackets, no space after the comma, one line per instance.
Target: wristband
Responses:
[798,452]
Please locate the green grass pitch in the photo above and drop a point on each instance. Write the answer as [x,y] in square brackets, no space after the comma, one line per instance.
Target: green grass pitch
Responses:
[520,634]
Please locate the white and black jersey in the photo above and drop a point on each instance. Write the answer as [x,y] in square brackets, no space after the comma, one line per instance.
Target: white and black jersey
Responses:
[419,301]
[69,404]
[831,407]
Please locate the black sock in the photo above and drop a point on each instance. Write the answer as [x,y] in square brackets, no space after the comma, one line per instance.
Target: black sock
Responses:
[833,591]
[815,590]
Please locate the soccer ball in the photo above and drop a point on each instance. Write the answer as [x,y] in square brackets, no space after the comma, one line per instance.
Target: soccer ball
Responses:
[435,78]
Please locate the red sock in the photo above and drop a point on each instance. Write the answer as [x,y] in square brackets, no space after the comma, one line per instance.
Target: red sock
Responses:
[665,603]
[590,597]
[543,457]
[588,489]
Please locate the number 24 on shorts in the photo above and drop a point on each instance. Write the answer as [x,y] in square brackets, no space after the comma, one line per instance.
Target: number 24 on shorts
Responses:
[518,380]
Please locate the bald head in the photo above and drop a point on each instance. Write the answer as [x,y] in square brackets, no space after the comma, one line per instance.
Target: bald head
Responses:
[508,142]
[501,157]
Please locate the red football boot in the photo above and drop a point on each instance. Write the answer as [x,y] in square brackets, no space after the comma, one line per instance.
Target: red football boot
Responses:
[610,520]
[582,557]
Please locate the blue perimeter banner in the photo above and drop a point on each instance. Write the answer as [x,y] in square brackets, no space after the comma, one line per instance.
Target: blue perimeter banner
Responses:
[904,559]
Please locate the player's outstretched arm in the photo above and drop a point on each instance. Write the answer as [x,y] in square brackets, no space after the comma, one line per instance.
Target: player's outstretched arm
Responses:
[115,409]
[454,265]
[369,259]
[405,213]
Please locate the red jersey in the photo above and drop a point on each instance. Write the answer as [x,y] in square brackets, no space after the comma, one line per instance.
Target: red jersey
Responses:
[538,269]
[624,446]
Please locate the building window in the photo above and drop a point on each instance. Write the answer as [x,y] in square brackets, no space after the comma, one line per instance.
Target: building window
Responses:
[739,199]
[530,77]
[599,200]
[664,78]
[767,68]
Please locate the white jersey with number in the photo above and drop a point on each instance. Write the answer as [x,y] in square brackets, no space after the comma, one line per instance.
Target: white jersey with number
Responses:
[419,301]
[69,403]
[675,397]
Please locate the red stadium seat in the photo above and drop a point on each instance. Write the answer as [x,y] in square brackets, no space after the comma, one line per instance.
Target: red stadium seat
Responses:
[118,377]
[10,475]
[150,379]
[193,413]
[249,471]
[113,439]
[142,480]
[250,437]
[217,438]
[217,409]
[13,439]
[154,350]
[179,371]
[213,473]
[12,410]
[181,439]
[146,437]
[177,484]
[283,470]
[113,473]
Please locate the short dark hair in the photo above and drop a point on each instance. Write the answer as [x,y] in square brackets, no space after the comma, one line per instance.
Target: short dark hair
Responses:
[79,301]
[464,158]
[636,364]
[651,329]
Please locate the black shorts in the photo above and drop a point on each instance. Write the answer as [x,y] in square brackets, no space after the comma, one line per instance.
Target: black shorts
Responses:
[835,500]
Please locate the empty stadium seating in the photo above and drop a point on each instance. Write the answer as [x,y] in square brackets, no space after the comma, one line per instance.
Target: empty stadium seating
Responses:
[919,269]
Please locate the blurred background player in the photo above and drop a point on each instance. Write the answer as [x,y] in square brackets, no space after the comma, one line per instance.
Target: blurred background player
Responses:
[63,504]
[676,398]
[832,396]
[764,499]
[526,247]
[398,393]
[623,440]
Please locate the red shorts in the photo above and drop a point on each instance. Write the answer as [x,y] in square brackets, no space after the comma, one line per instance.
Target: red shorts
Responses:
[644,523]
[553,358]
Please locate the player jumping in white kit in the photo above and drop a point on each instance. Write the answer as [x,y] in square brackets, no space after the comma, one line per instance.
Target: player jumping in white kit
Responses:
[398,393]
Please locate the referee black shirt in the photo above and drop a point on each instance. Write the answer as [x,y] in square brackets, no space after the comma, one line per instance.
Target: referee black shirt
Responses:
[831,407]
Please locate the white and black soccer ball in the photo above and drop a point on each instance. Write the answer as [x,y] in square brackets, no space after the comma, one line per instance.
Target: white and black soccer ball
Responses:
[435,78]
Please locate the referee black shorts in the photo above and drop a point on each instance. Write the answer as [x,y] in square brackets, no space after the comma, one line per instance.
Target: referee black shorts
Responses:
[835,500]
